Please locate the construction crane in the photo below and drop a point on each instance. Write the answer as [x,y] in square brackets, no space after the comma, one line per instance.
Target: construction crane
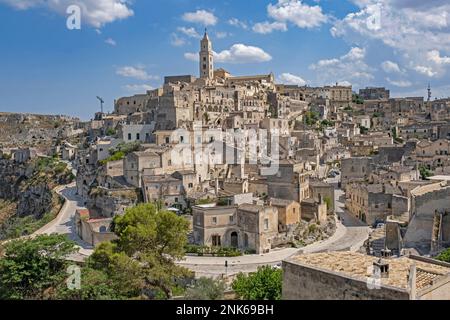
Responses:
[101,103]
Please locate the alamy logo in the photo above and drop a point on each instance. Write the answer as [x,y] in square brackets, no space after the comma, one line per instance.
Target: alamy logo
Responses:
[74,19]
[74,280]
[374,20]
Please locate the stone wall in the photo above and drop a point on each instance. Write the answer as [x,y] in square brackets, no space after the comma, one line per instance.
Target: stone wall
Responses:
[306,283]
[424,207]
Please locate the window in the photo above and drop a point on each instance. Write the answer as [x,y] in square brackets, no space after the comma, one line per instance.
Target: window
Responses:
[190,186]
[266,224]
[129,136]
[167,140]
[214,221]
[216,241]
[231,219]
[176,200]
[138,136]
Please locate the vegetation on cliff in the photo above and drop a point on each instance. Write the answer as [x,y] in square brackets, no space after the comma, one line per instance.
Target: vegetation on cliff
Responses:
[28,188]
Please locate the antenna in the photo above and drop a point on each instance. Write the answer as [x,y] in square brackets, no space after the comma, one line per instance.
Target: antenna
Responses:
[101,103]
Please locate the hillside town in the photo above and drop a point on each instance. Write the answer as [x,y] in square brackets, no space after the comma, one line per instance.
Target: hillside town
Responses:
[347,192]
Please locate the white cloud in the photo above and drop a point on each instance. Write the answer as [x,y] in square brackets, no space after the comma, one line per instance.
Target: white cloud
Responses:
[435,56]
[238,23]
[269,27]
[192,56]
[390,67]
[399,83]
[202,17]
[427,71]
[298,13]
[238,53]
[222,34]
[289,78]
[190,32]
[241,53]
[96,13]
[416,30]
[138,88]
[135,72]
[355,54]
[176,41]
[111,42]
[345,69]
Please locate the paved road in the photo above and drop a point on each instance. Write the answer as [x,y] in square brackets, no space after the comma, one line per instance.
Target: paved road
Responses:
[350,235]
[64,222]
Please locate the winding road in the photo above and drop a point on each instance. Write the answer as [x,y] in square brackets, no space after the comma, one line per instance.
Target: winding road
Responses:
[350,235]
[64,223]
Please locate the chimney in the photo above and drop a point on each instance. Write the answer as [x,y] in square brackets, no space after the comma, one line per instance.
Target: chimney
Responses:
[387,253]
[217,186]
[412,278]
[381,268]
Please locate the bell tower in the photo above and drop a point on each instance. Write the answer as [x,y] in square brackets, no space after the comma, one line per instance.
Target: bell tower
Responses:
[206,58]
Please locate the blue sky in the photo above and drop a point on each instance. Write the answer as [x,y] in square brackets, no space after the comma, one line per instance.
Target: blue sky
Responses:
[125,47]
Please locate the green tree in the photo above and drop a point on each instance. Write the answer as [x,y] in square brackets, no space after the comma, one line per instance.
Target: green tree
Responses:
[311,118]
[265,284]
[425,173]
[95,285]
[30,269]
[143,257]
[444,256]
[329,202]
[363,130]
[110,132]
[206,289]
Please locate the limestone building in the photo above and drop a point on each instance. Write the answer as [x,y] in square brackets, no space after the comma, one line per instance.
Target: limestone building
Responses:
[354,276]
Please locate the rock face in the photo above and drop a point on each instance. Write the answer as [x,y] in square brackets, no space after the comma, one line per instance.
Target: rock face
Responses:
[37,131]
[36,200]
[29,186]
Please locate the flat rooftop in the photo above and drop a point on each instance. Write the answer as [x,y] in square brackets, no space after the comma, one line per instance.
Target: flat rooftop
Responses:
[359,266]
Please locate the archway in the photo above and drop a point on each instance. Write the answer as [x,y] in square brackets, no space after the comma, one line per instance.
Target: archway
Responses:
[246,240]
[234,240]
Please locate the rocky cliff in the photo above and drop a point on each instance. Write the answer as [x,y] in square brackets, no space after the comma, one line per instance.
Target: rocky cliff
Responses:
[37,131]
[30,185]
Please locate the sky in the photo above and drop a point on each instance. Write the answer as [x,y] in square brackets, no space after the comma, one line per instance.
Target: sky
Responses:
[48,65]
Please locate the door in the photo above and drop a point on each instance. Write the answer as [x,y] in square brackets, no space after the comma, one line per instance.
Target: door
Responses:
[234,240]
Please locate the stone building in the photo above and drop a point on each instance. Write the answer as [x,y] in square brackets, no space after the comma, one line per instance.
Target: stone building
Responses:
[246,227]
[23,155]
[429,225]
[372,203]
[93,231]
[355,169]
[289,214]
[323,191]
[354,276]
[313,210]
[130,105]
[371,93]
